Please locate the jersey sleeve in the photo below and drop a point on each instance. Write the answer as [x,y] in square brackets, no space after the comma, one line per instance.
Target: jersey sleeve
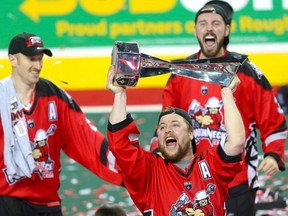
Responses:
[132,159]
[225,167]
[84,143]
[269,117]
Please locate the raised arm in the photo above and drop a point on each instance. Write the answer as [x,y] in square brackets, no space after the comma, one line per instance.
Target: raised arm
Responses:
[118,113]
[233,121]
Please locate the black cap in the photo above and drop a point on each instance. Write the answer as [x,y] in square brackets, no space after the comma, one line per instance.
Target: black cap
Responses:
[183,114]
[27,44]
[224,9]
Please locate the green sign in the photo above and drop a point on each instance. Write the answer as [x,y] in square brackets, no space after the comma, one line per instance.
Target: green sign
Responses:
[86,23]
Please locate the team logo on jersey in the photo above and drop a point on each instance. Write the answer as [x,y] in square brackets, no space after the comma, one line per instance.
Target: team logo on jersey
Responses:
[207,120]
[188,185]
[201,204]
[16,113]
[204,90]
[19,129]
[13,104]
[30,123]
[41,154]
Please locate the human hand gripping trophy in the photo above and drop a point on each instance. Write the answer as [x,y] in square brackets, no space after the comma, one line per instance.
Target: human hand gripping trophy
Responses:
[130,65]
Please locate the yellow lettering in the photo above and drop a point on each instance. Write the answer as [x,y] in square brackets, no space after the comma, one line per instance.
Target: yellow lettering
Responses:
[151,6]
[233,26]
[189,27]
[62,27]
[145,28]
[257,25]
[117,29]
[66,28]
[246,24]
[277,26]
[102,7]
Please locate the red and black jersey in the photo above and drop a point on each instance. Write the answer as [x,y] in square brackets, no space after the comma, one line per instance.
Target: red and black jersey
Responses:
[55,122]
[159,187]
[256,102]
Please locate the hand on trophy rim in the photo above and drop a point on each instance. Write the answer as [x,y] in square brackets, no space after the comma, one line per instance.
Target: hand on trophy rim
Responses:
[110,81]
[234,83]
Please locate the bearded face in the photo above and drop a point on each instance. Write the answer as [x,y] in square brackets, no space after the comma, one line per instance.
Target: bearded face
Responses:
[174,137]
[211,31]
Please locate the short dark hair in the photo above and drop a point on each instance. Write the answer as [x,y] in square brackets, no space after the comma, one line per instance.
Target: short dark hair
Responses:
[110,209]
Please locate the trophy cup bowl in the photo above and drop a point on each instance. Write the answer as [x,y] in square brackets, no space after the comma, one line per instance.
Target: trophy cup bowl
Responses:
[126,59]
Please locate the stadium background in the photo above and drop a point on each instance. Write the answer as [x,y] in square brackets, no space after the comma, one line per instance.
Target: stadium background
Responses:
[81,34]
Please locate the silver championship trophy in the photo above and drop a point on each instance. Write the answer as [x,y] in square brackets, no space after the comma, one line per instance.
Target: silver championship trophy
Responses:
[130,65]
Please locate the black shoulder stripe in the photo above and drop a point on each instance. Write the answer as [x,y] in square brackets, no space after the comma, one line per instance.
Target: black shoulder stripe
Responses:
[171,77]
[193,56]
[47,88]
[226,158]
[120,125]
[103,150]
[251,70]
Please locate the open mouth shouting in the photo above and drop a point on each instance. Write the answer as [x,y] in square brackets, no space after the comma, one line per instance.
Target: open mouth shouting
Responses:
[171,142]
[210,41]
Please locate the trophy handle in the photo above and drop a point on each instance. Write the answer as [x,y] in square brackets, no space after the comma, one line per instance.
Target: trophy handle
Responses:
[152,66]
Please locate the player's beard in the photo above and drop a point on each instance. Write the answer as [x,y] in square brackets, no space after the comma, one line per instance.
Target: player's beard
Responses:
[177,155]
[211,53]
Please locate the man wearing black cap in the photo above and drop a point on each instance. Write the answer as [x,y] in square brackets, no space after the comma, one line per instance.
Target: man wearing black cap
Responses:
[254,98]
[38,120]
[177,183]
[224,10]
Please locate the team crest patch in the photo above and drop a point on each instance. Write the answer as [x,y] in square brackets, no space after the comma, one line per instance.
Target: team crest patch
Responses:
[30,123]
[41,152]
[204,90]
[188,185]
[199,205]
[207,120]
